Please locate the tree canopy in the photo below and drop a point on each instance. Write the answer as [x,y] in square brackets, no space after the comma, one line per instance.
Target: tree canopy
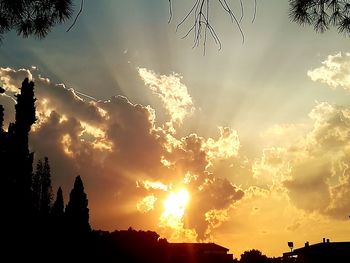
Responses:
[33,18]
[77,211]
[322,14]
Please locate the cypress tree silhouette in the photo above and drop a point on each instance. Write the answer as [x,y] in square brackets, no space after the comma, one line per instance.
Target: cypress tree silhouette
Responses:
[16,160]
[2,133]
[1,119]
[25,108]
[46,189]
[25,118]
[37,186]
[58,220]
[17,173]
[77,211]
[57,210]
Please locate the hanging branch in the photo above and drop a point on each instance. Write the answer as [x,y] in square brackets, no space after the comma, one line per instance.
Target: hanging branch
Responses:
[322,14]
[202,26]
[170,12]
[76,18]
[255,8]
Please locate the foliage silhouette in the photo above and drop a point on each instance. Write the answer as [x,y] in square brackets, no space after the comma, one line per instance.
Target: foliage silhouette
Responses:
[77,211]
[253,256]
[37,18]
[322,14]
[1,119]
[16,161]
[57,210]
[33,18]
[46,189]
[36,186]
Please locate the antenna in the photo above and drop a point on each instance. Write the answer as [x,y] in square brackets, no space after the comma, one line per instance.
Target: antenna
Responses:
[291,246]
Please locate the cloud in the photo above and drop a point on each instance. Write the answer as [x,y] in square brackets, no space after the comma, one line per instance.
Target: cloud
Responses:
[56,96]
[340,198]
[313,170]
[281,135]
[129,165]
[335,71]
[272,167]
[225,147]
[12,79]
[172,92]
[146,204]
[210,202]
[211,196]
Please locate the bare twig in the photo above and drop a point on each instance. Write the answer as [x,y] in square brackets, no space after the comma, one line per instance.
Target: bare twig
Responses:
[170,12]
[255,7]
[202,26]
[227,8]
[76,18]
[242,11]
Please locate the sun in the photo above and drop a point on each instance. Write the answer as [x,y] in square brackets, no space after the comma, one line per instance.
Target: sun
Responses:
[176,203]
[174,208]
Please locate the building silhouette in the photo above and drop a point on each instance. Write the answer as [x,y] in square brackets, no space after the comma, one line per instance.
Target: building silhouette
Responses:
[197,253]
[326,251]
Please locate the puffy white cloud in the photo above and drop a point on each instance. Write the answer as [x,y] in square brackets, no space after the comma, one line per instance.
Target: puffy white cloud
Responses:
[335,71]
[172,92]
[225,147]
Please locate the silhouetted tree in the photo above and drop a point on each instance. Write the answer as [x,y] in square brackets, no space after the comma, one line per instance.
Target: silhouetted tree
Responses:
[58,206]
[77,211]
[1,118]
[57,217]
[20,160]
[37,186]
[25,108]
[46,189]
[42,189]
[253,256]
[17,173]
[36,18]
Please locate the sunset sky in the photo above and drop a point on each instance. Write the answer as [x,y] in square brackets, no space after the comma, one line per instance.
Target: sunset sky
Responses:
[247,146]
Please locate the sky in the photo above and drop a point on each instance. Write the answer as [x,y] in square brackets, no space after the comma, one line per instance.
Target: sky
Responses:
[246,146]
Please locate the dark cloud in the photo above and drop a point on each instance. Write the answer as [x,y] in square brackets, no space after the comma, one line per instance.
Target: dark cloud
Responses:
[340,200]
[308,188]
[213,195]
[130,127]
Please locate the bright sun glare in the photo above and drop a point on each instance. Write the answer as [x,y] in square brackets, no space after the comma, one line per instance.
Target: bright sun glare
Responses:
[175,204]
